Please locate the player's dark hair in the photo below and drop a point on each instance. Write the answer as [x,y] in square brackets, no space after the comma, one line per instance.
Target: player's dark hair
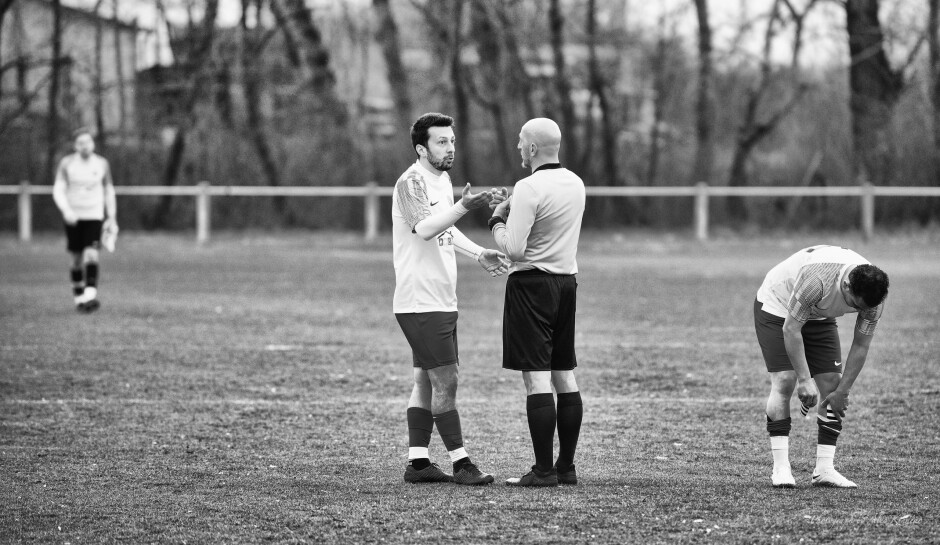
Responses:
[870,283]
[419,131]
[82,130]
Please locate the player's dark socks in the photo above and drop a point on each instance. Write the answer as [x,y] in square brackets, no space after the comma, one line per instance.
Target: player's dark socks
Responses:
[569,413]
[448,425]
[778,428]
[540,410]
[460,463]
[829,429]
[91,275]
[420,463]
[78,280]
[420,425]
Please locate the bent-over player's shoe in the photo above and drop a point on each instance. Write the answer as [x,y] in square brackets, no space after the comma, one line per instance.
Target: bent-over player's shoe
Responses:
[535,478]
[782,477]
[569,476]
[470,474]
[430,474]
[831,478]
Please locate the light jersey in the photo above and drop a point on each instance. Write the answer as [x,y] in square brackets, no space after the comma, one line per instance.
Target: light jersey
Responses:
[807,286]
[84,185]
[425,270]
[544,222]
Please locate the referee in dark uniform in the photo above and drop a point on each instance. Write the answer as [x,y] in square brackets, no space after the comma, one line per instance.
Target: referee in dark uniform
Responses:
[541,236]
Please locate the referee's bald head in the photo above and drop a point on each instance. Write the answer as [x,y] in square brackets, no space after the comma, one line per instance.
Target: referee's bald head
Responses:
[543,132]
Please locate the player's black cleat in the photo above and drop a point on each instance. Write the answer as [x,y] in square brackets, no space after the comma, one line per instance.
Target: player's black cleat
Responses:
[569,476]
[430,474]
[91,306]
[535,478]
[470,474]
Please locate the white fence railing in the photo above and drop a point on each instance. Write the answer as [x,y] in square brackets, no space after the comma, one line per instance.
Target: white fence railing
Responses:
[371,192]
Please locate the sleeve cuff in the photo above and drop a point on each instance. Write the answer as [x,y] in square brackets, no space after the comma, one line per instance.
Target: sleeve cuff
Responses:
[494,221]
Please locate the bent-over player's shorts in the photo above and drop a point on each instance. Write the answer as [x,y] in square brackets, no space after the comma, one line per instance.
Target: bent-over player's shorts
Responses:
[432,336]
[820,343]
[538,321]
[84,234]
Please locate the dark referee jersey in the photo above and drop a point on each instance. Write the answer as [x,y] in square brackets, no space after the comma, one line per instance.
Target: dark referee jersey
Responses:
[544,222]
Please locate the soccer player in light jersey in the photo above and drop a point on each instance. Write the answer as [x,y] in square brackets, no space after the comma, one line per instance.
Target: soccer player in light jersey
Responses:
[84,193]
[425,304]
[795,317]
[538,228]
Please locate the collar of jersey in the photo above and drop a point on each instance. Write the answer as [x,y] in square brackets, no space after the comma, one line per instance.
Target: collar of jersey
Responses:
[428,173]
[547,166]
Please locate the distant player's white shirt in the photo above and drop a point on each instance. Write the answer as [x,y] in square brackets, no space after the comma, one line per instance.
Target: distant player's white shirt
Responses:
[544,222]
[807,286]
[84,185]
[425,270]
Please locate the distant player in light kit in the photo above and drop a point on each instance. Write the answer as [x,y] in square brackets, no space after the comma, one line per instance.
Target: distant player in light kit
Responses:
[795,318]
[84,193]
[425,304]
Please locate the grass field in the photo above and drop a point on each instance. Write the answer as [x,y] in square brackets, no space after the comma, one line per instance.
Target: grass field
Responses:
[254,390]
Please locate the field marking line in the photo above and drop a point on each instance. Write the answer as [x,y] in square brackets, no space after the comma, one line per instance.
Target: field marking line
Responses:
[385,401]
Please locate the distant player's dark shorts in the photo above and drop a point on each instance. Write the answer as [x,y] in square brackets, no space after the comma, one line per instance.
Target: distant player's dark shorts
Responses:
[84,234]
[432,336]
[538,321]
[820,343]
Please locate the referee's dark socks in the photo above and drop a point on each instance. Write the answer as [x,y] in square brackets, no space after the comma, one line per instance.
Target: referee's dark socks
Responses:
[540,410]
[420,425]
[569,413]
[779,428]
[448,425]
[829,428]
[91,274]
[78,280]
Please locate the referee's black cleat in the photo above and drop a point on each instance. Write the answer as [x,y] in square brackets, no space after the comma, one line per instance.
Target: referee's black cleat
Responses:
[569,476]
[470,474]
[535,478]
[430,474]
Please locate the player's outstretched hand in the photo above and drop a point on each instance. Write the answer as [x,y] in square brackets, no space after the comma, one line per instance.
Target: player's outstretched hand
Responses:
[838,402]
[474,200]
[498,195]
[807,392]
[494,262]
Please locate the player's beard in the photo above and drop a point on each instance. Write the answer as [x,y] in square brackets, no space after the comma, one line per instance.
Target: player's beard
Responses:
[443,164]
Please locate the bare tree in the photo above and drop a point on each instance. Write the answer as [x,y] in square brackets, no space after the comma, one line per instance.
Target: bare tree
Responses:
[556,24]
[4,7]
[387,35]
[933,44]
[598,88]
[876,88]
[704,99]
[52,124]
[752,130]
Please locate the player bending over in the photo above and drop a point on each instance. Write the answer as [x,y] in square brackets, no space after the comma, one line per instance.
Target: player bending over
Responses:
[795,317]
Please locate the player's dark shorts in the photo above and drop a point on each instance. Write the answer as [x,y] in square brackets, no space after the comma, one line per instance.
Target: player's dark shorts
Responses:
[432,336]
[84,234]
[538,321]
[820,343]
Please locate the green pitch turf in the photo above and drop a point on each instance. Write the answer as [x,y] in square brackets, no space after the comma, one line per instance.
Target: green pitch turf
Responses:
[254,390]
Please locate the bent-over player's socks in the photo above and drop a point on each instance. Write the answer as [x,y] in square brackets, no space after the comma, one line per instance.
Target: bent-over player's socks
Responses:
[420,425]
[448,425]
[569,413]
[540,410]
[829,430]
[77,274]
[779,431]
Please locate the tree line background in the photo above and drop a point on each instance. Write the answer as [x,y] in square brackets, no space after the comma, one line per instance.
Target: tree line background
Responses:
[323,93]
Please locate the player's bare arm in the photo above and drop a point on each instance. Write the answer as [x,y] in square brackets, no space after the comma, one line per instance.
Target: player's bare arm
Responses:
[838,400]
[793,340]
[59,188]
[110,198]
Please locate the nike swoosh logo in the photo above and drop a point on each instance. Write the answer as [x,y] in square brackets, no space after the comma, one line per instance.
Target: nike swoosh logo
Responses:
[838,363]
[433,203]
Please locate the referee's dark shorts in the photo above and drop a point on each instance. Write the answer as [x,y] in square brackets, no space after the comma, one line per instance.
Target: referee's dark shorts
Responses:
[538,321]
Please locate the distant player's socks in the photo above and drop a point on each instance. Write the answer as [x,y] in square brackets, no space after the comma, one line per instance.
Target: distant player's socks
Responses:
[448,426]
[77,275]
[420,425]
[91,275]
[540,412]
[569,413]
